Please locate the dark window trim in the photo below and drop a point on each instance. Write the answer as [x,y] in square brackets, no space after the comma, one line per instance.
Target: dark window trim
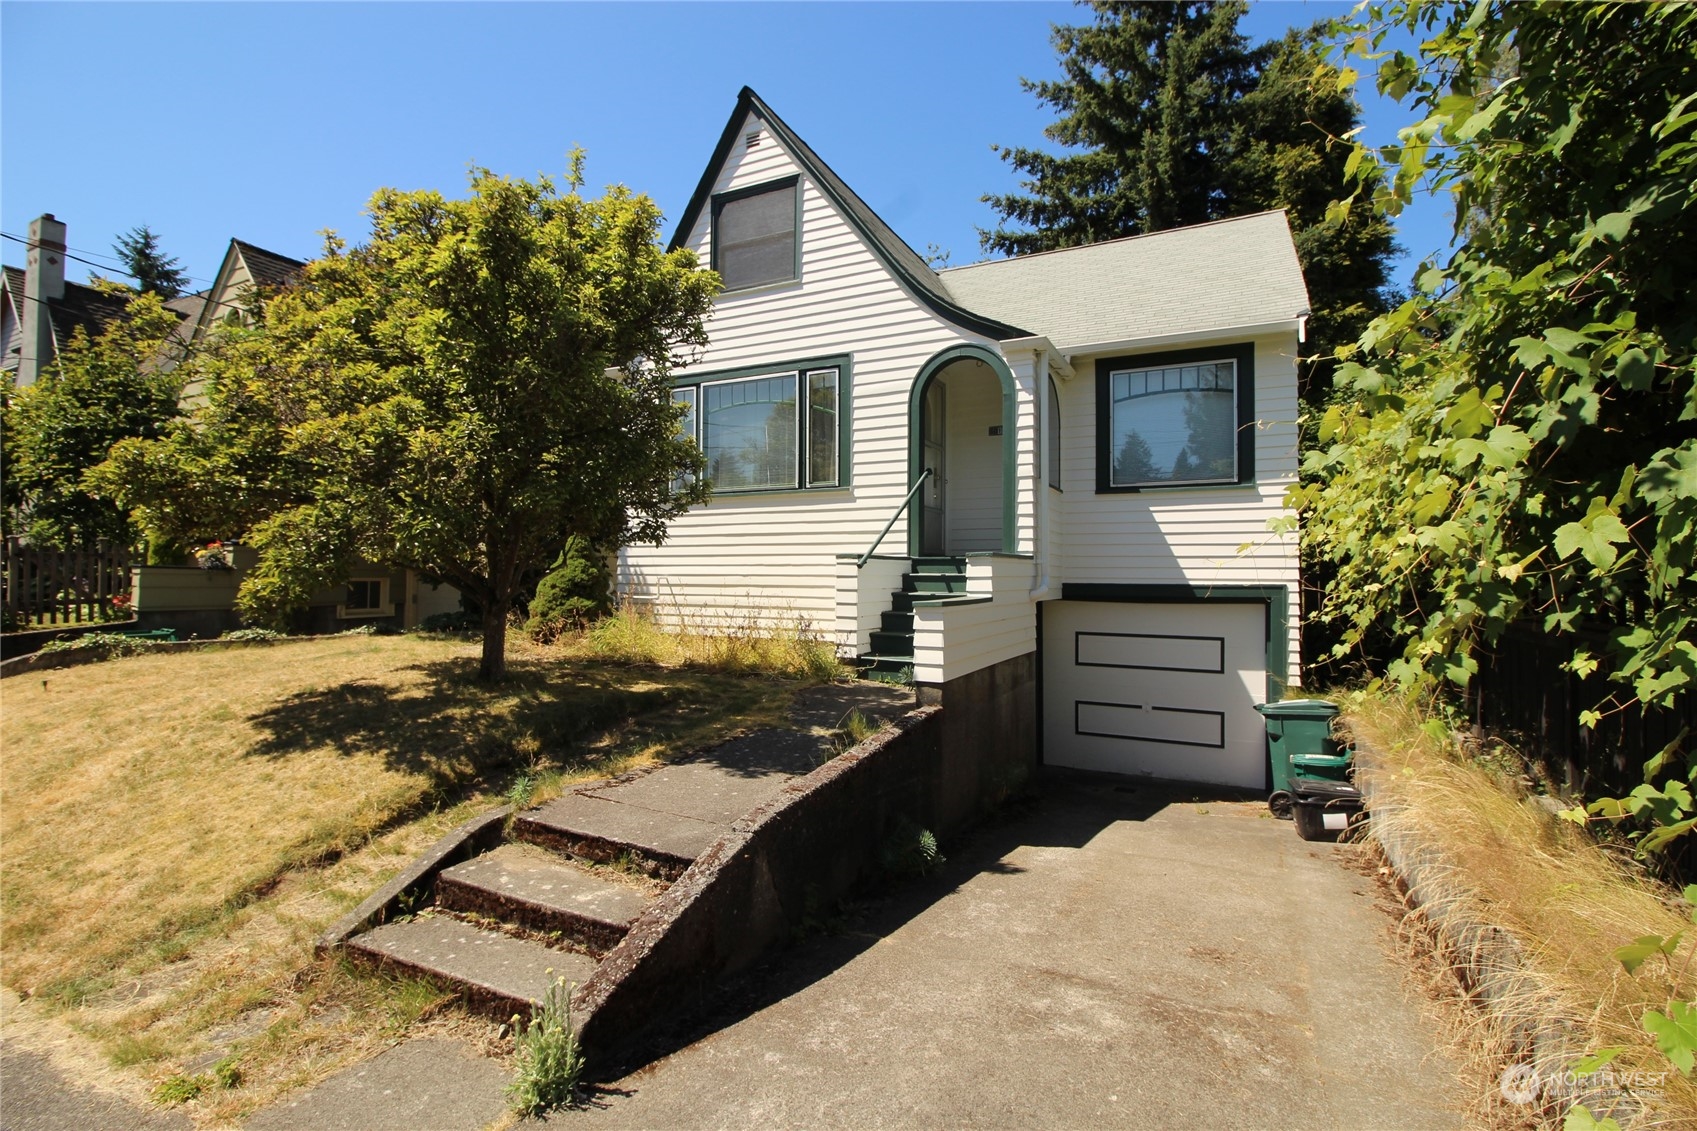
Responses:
[720,199]
[843,363]
[1242,353]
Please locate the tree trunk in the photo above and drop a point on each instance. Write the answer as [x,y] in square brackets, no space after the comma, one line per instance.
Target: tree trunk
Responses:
[494,664]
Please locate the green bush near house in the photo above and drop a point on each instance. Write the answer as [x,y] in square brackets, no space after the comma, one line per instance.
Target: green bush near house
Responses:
[574,592]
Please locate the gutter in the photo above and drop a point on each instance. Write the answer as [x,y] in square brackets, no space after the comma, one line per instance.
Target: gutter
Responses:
[1296,324]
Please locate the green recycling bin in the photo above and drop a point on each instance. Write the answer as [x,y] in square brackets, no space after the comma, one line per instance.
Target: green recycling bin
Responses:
[1300,744]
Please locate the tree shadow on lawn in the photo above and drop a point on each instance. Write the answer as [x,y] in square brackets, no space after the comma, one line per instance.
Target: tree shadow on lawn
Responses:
[579,717]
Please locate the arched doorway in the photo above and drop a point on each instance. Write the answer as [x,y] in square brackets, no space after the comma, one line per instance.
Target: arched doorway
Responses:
[961,425]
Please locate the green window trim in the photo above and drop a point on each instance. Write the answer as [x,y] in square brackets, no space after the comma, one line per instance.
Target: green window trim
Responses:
[804,371]
[1010,436]
[720,200]
[1240,353]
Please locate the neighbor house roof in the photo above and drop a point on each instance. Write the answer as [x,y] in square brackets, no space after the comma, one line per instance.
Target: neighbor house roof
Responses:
[81,306]
[1227,275]
[262,268]
[903,262]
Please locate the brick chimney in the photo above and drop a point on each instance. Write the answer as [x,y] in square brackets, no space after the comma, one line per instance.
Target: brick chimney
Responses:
[44,282]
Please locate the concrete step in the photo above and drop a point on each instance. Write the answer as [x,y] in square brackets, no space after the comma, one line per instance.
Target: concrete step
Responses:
[660,844]
[496,974]
[532,888]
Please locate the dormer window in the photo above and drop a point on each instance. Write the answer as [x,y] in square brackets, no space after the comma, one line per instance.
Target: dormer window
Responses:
[755,235]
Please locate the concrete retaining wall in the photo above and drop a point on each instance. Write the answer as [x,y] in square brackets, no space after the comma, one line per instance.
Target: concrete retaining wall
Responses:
[791,858]
[1486,960]
[989,743]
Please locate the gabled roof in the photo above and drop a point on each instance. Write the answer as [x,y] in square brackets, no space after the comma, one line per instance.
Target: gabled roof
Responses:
[902,261]
[93,310]
[1227,275]
[265,268]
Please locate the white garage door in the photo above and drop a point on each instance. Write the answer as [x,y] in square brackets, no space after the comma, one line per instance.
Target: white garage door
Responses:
[1164,690]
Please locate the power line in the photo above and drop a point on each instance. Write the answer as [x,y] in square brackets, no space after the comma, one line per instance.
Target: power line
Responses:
[91,263]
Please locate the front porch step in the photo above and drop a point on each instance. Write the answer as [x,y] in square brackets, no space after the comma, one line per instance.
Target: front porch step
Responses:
[885,665]
[893,643]
[532,888]
[896,622]
[927,583]
[497,974]
[939,565]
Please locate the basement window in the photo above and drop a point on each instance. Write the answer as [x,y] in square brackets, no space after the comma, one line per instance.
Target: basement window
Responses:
[366,597]
[756,235]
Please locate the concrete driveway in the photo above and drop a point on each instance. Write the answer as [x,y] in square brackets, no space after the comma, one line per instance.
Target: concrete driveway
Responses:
[1115,955]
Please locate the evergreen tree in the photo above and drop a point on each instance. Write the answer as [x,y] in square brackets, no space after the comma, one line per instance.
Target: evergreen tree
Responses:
[154,271]
[1175,119]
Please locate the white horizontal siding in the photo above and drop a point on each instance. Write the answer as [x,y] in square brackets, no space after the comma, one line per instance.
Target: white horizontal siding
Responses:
[1199,536]
[772,558]
[950,641]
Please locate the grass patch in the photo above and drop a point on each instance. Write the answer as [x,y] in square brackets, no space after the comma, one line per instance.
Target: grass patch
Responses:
[1569,902]
[547,1060]
[179,828]
[632,637]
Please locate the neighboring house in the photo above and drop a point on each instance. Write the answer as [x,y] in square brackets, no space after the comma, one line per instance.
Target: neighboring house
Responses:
[1095,441]
[40,310]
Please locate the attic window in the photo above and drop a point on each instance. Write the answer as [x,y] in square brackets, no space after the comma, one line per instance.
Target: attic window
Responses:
[755,235]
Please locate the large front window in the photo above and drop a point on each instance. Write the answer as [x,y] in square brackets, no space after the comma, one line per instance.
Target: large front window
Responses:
[771,431]
[1174,423]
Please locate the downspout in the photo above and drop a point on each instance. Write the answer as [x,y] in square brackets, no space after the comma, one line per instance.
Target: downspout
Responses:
[1040,486]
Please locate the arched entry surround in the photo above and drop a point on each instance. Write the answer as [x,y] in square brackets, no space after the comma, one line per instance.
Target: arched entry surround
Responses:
[1010,434]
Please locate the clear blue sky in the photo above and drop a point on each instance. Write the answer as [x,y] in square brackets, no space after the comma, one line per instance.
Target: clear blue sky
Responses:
[272,121]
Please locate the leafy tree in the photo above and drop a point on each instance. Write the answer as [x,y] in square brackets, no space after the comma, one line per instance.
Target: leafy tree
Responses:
[154,271]
[1172,118]
[98,392]
[480,381]
[1519,440]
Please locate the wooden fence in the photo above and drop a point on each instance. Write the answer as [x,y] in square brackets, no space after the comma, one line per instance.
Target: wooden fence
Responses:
[45,587]
[1524,693]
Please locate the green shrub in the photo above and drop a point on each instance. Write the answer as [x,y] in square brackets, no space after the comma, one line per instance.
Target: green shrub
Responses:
[574,592]
[547,1058]
[462,621]
[247,635]
[108,644]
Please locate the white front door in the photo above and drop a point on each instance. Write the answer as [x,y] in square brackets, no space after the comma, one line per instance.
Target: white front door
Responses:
[933,425]
[1161,690]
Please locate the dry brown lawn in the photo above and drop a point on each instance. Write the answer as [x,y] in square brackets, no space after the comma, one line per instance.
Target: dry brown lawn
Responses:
[175,830]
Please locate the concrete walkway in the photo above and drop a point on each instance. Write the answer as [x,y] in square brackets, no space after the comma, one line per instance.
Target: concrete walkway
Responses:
[1106,959]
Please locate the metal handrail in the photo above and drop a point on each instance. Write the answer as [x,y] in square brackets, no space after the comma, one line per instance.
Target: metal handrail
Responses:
[912,491]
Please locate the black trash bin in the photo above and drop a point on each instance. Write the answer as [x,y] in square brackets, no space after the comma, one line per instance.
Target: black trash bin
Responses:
[1324,810]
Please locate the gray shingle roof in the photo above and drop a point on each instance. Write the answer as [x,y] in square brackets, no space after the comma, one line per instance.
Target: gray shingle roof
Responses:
[1220,276]
[267,267]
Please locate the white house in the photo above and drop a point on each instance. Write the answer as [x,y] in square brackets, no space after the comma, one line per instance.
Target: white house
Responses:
[1076,456]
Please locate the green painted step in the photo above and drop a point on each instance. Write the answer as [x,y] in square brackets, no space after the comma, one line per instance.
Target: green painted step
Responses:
[939,565]
[893,644]
[934,582]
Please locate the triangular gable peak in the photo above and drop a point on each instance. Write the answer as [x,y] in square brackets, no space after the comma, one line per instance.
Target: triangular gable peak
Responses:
[245,266]
[752,116]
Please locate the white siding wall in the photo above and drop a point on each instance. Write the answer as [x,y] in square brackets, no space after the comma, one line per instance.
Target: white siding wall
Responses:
[772,558]
[973,458]
[1189,535]
[863,593]
[11,336]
